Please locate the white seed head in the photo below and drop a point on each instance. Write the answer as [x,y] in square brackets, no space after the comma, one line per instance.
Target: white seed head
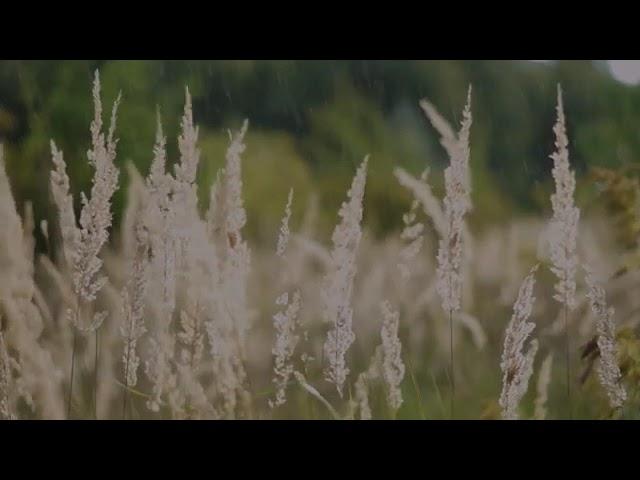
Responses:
[564,224]
[338,283]
[517,364]
[608,369]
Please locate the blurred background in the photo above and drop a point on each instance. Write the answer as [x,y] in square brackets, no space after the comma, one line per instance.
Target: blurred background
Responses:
[312,122]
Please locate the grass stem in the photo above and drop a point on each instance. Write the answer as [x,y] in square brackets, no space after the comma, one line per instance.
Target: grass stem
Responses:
[73,364]
[95,377]
[452,366]
[567,358]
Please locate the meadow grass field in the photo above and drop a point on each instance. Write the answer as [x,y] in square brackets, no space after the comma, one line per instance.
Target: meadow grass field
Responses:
[174,312]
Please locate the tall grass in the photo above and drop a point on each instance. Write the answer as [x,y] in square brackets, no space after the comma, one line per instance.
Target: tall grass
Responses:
[184,319]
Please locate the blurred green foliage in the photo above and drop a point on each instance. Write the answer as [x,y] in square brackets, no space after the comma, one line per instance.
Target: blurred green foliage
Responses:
[312,122]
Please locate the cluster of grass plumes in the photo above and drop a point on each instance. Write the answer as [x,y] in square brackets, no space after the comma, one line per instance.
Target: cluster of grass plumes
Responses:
[180,318]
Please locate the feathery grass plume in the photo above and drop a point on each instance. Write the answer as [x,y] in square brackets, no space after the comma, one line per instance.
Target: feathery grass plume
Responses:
[158,367]
[412,232]
[544,379]
[36,379]
[60,190]
[227,368]
[285,320]
[283,237]
[207,315]
[457,203]
[284,323]
[447,135]
[362,397]
[82,245]
[371,374]
[392,365]
[95,220]
[608,369]
[95,216]
[179,250]
[564,230]
[226,218]
[15,260]
[187,168]
[193,402]
[227,330]
[161,218]
[516,364]
[338,283]
[185,196]
[434,210]
[423,193]
[236,216]
[236,269]
[198,272]
[564,224]
[134,298]
[202,303]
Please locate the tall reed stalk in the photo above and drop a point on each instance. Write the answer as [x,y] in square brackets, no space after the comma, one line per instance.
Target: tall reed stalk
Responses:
[456,204]
[452,378]
[95,375]
[82,245]
[567,357]
[74,349]
[563,232]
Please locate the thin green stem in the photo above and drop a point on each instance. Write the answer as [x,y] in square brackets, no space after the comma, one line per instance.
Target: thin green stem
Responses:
[73,357]
[124,404]
[441,403]
[452,366]
[416,388]
[567,358]
[73,364]
[126,382]
[95,378]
